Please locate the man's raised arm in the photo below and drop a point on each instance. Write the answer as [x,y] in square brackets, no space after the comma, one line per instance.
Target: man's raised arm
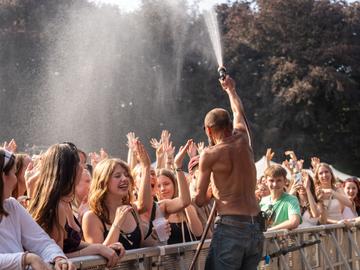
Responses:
[239,121]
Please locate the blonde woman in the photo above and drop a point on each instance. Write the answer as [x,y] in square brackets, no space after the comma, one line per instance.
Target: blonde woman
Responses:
[334,200]
[174,202]
[113,215]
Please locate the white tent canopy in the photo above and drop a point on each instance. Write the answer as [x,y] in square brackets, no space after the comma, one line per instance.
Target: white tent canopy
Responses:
[261,166]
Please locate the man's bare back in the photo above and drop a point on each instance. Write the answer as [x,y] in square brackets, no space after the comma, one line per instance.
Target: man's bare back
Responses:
[233,175]
[229,165]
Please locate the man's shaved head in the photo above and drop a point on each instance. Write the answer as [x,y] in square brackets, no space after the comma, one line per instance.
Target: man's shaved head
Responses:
[218,119]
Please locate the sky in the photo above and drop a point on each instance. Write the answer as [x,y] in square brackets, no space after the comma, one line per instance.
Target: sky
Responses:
[130,5]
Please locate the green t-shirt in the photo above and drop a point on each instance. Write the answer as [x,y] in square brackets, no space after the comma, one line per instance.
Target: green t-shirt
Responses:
[286,206]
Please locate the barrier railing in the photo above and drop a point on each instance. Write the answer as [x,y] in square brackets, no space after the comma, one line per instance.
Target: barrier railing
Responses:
[319,247]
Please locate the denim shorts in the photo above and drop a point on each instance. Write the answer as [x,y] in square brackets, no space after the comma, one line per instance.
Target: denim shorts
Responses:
[235,244]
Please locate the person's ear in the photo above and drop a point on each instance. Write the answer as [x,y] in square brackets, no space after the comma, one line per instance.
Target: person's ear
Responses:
[208,130]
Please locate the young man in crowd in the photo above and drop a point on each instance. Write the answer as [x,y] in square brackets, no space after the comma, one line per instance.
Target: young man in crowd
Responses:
[282,209]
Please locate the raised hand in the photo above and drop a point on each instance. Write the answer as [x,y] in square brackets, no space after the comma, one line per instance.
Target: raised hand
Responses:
[286,164]
[315,161]
[306,179]
[169,149]
[156,144]
[94,159]
[11,146]
[103,154]
[192,151]
[131,140]
[141,154]
[291,154]
[200,147]
[269,154]
[228,84]
[181,154]
[165,137]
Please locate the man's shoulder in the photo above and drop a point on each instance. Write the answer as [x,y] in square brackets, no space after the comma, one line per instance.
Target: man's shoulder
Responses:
[289,198]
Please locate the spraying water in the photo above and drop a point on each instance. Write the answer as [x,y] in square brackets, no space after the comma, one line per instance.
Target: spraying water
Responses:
[101,73]
[214,33]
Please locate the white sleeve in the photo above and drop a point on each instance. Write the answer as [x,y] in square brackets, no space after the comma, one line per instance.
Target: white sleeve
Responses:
[10,261]
[35,239]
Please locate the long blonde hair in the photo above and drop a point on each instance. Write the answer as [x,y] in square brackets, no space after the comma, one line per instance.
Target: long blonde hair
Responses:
[99,187]
[316,175]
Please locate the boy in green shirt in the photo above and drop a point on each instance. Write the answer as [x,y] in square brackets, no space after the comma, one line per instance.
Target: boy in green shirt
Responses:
[282,208]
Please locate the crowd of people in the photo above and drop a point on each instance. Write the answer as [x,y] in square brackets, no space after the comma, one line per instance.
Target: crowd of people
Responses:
[66,203]
[295,197]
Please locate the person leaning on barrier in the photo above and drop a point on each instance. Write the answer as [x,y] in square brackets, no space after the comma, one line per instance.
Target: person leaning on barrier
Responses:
[19,232]
[333,199]
[281,208]
[114,214]
[238,239]
[51,205]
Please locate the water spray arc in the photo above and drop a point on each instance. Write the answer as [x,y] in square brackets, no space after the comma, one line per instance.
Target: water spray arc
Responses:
[214,33]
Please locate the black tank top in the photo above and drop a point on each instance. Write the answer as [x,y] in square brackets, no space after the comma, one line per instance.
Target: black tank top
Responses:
[73,238]
[176,235]
[129,240]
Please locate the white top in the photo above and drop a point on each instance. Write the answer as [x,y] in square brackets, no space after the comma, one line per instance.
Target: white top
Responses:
[19,230]
[348,213]
[307,220]
[333,209]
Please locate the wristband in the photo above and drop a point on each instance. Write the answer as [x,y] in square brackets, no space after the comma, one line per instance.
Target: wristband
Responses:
[180,169]
[23,260]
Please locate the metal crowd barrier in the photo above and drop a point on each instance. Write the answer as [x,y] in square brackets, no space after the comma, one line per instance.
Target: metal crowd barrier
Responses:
[332,247]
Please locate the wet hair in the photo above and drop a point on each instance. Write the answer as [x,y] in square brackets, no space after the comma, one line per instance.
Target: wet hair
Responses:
[275,171]
[357,198]
[57,179]
[218,119]
[169,174]
[99,187]
[316,174]
[4,168]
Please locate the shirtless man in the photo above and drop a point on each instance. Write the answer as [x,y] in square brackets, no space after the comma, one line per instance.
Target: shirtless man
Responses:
[238,239]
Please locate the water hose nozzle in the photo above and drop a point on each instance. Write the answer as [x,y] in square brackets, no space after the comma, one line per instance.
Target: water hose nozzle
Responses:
[222,72]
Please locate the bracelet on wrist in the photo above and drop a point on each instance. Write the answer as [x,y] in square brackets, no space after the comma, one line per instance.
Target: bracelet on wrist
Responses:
[179,169]
[23,260]
[117,226]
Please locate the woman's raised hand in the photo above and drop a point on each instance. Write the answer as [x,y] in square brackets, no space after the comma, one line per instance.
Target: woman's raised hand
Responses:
[131,140]
[141,154]
[181,154]
[269,154]
[11,146]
